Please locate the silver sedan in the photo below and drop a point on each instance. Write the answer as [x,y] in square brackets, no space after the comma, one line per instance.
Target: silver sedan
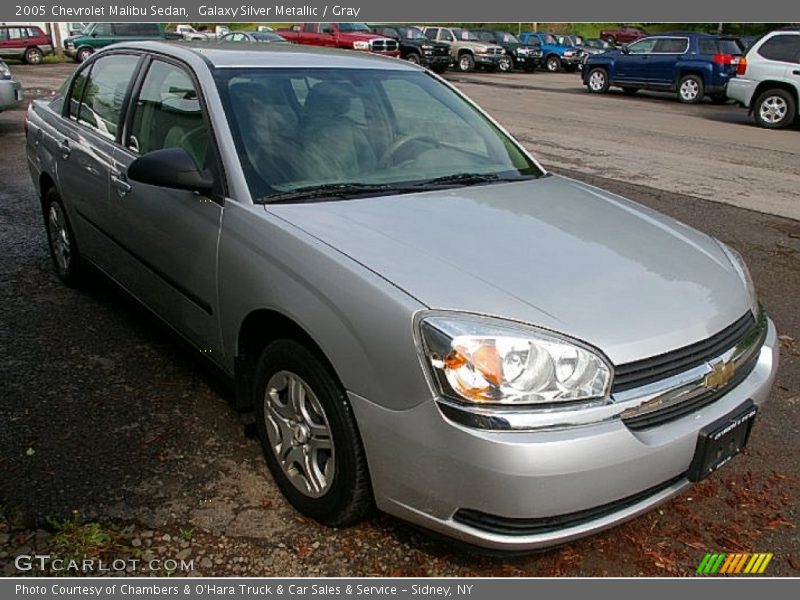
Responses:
[415,313]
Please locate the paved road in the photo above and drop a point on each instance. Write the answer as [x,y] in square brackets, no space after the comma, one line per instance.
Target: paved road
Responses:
[708,151]
[103,411]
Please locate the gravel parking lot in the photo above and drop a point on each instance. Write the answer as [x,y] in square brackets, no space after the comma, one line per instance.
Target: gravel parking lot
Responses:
[115,443]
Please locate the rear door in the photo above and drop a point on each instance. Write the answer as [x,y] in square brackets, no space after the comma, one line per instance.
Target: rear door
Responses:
[85,145]
[170,236]
[783,54]
[664,59]
[5,45]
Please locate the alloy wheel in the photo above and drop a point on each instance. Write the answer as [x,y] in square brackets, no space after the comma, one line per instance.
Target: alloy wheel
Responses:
[597,80]
[773,109]
[299,433]
[689,90]
[60,242]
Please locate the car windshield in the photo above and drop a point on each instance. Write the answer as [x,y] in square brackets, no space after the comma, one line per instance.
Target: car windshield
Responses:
[578,40]
[549,39]
[565,41]
[466,35]
[729,46]
[509,38]
[264,36]
[412,33]
[354,27]
[391,131]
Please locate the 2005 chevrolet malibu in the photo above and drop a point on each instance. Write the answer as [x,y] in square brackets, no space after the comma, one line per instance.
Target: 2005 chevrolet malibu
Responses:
[414,312]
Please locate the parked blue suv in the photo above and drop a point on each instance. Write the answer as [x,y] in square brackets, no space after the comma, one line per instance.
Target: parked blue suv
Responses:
[693,65]
[555,56]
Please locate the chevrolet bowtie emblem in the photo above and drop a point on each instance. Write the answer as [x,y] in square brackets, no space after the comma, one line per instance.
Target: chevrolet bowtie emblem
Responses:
[721,373]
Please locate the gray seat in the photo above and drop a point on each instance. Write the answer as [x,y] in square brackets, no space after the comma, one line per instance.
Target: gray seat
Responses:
[334,146]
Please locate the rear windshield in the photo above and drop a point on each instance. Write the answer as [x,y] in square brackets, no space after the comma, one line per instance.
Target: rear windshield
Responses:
[719,46]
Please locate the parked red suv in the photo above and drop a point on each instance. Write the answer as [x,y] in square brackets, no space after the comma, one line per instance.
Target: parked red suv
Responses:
[24,42]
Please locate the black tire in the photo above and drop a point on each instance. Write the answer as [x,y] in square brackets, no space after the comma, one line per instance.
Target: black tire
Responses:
[33,56]
[611,40]
[553,63]
[505,63]
[690,89]
[413,58]
[770,105]
[530,69]
[64,253]
[83,54]
[719,99]
[571,68]
[466,62]
[597,81]
[348,498]
[630,91]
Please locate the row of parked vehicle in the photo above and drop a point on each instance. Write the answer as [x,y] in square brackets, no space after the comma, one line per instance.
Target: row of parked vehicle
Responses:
[763,77]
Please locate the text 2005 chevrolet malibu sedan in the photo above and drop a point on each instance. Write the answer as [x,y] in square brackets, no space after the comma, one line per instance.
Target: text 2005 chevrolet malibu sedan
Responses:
[416,314]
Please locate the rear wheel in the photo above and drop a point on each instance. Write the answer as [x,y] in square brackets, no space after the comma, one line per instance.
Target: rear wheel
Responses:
[553,63]
[690,89]
[309,435]
[597,81]
[64,253]
[33,56]
[775,109]
[466,62]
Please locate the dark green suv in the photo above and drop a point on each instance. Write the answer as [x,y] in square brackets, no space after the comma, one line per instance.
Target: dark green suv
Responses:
[99,35]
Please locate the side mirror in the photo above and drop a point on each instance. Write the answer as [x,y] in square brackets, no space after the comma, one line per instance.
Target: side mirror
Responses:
[170,168]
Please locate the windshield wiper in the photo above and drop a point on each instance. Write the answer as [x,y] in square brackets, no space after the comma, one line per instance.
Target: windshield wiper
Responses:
[332,190]
[468,179]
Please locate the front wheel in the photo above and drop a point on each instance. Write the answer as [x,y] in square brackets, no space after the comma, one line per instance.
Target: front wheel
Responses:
[33,56]
[505,64]
[775,109]
[553,64]
[690,89]
[466,63]
[64,253]
[413,58]
[597,81]
[83,54]
[309,435]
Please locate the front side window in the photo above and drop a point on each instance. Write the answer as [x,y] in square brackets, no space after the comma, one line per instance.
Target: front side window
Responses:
[303,128]
[168,114]
[785,48]
[102,29]
[104,93]
[642,46]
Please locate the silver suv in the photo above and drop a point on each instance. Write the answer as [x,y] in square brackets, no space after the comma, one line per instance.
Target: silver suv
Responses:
[768,79]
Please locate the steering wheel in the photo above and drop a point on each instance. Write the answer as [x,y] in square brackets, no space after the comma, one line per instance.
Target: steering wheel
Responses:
[404,141]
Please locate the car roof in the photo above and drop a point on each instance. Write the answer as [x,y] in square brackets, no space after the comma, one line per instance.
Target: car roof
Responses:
[226,55]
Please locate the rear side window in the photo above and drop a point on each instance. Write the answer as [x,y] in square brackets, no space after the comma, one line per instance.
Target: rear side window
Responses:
[168,114]
[671,45]
[103,93]
[137,29]
[785,48]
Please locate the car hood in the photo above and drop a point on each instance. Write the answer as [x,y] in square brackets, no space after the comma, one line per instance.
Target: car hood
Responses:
[550,252]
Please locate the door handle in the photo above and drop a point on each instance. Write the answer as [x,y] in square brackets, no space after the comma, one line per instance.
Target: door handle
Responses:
[65,149]
[122,186]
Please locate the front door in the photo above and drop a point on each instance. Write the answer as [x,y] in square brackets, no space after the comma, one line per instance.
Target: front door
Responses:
[633,64]
[170,235]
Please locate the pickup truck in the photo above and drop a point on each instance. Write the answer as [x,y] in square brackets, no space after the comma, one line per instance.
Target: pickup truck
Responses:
[467,50]
[622,35]
[555,56]
[351,36]
[416,48]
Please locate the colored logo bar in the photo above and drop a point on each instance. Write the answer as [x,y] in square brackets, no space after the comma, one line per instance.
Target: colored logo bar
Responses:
[721,563]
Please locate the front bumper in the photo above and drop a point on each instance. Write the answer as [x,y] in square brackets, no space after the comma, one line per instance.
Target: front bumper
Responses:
[436,60]
[10,94]
[431,471]
[526,61]
[487,60]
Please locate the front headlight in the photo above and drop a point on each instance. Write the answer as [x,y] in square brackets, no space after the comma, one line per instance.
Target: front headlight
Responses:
[568,53]
[361,45]
[489,361]
[5,72]
[741,268]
